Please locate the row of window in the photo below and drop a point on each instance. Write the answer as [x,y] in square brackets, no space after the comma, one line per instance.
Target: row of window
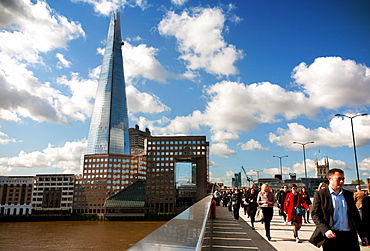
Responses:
[176,153]
[175,142]
[160,170]
[112,170]
[176,147]
[53,184]
[55,178]
[106,160]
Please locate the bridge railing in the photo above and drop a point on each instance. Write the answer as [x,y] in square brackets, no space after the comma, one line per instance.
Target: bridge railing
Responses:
[184,232]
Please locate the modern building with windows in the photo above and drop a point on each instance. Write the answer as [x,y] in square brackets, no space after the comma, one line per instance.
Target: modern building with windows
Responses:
[53,193]
[104,176]
[177,172]
[138,139]
[108,132]
[16,195]
[109,167]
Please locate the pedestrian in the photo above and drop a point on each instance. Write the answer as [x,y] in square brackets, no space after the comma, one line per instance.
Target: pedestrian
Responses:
[281,199]
[358,196]
[294,203]
[245,203]
[306,198]
[366,211]
[236,199]
[228,198]
[217,197]
[336,217]
[266,200]
[251,199]
[322,185]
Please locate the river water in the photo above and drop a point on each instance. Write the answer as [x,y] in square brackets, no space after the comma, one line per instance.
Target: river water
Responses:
[74,235]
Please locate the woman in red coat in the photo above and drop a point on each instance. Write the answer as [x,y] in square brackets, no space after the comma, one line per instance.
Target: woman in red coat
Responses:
[294,200]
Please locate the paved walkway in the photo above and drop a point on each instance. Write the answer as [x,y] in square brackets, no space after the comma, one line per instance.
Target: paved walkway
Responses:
[225,233]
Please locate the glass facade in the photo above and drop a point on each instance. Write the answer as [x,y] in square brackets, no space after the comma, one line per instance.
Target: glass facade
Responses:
[109,123]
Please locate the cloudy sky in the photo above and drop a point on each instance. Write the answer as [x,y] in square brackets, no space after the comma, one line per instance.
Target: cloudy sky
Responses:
[253,76]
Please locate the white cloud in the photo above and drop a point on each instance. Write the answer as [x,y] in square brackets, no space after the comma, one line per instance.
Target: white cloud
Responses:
[221,149]
[237,107]
[143,102]
[5,170]
[179,2]
[140,61]
[67,157]
[200,40]
[364,165]
[105,7]
[225,179]
[332,82]
[253,145]
[223,136]
[4,139]
[79,105]
[62,61]
[32,28]
[336,135]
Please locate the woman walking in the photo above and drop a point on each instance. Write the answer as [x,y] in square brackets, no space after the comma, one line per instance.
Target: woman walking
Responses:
[236,199]
[294,203]
[266,200]
[251,199]
[306,198]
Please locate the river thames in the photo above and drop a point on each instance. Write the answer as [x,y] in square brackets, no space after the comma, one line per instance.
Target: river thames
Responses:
[74,235]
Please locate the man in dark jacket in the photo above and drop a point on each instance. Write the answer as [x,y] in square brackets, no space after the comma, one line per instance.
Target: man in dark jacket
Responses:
[336,216]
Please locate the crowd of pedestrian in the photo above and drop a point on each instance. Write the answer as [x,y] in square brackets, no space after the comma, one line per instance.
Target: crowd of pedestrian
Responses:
[339,215]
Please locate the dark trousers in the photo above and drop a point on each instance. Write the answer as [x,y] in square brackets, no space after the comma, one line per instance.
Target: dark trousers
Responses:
[345,240]
[236,209]
[268,212]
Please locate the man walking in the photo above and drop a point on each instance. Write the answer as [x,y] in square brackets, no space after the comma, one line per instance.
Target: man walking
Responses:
[358,197]
[336,217]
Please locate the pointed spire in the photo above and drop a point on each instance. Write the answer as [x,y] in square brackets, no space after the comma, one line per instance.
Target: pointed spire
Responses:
[109,123]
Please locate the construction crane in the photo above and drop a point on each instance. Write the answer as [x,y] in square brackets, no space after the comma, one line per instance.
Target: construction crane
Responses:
[246,176]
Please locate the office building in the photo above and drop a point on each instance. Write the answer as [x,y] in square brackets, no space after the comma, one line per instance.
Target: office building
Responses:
[108,132]
[53,193]
[177,172]
[137,140]
[16,195]
[104,176]
[237,180]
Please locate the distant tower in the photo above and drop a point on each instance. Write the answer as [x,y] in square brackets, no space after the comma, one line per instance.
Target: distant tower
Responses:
[108,167]
[322,171]
[109,123]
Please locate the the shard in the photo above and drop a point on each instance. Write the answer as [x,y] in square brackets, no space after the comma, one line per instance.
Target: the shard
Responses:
[109,123]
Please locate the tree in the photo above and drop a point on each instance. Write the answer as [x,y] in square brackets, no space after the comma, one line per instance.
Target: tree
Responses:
[355,182]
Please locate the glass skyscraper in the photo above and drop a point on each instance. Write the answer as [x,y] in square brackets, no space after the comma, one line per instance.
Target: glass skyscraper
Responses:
[109,123]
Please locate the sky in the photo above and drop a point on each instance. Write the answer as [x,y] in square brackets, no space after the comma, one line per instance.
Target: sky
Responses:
[252,76]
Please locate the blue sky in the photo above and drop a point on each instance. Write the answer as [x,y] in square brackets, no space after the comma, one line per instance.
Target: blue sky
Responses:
[253,76]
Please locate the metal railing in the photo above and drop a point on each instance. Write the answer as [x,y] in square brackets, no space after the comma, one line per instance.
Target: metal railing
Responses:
[184,232]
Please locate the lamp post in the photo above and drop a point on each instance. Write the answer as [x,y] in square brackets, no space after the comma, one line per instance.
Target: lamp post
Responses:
[304,154]
[353,139]
[258,173]
[281,166]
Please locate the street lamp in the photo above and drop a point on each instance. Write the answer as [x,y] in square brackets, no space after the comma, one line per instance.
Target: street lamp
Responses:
[258,173]
[281,166]
[304,154]
[353,138]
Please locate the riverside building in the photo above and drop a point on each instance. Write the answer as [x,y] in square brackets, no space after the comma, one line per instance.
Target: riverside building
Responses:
[16,195]
[177,172]
[53,193]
